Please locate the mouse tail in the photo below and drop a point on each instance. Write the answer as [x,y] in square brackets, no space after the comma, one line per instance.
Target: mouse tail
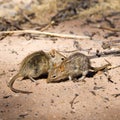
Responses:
[96,69]
[10,85]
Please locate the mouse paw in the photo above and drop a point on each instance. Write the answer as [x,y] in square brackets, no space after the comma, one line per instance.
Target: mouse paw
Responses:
[75,80]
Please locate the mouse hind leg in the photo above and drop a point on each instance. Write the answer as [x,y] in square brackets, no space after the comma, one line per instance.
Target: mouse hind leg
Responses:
[83,76]
[31,78]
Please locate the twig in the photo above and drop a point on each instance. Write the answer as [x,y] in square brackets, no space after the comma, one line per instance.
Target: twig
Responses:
[109,79]
[114,52]
[72,101]
[116,95]
[47,33]
[113,67]
[93,92]
[110,22]
[107,28]
[97,88]
[105,53]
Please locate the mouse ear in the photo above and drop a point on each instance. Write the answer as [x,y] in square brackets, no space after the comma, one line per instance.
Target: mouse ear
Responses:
[52,52]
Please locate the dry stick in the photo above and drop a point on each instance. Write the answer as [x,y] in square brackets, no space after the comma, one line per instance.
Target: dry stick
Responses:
[116,95]
[115,52]
[105,53]
[72,101]
[48,33]
[107,28]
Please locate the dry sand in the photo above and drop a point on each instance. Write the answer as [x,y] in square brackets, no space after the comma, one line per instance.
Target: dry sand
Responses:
[94,101]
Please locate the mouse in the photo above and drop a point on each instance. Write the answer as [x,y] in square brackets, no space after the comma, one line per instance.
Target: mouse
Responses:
[35,65]
[75,65]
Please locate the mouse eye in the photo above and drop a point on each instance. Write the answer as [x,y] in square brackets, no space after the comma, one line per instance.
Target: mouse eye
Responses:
[62,58]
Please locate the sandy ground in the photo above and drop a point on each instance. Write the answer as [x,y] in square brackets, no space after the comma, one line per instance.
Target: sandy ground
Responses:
[94,98]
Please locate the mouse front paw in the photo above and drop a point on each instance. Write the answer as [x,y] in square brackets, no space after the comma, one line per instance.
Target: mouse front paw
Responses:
[75,80]
[47,80]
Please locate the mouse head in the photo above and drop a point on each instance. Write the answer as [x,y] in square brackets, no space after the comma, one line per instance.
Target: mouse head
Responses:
[56,57]
[56,74]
